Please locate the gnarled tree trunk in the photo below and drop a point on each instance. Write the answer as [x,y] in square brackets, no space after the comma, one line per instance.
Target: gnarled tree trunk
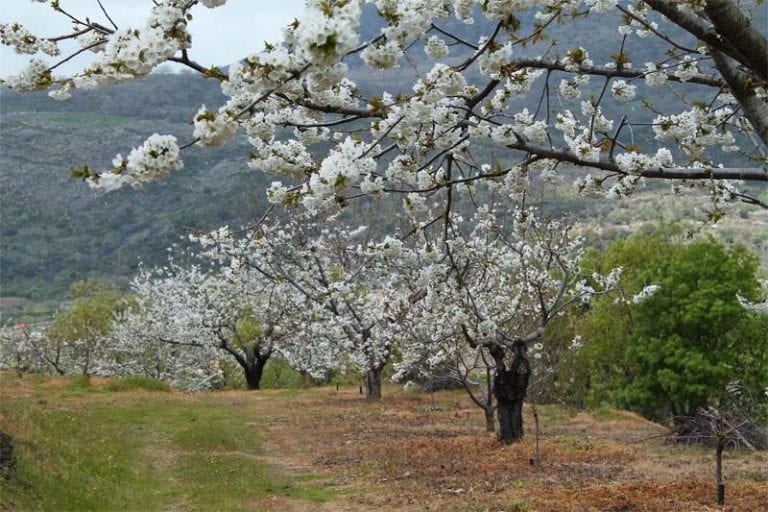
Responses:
[373,384]
[254,370]
[509,387]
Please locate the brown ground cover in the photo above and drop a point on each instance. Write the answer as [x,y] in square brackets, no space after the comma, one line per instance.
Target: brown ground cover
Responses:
[430,452]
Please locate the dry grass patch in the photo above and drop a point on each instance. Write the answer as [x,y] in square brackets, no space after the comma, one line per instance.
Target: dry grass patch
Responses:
[421,452]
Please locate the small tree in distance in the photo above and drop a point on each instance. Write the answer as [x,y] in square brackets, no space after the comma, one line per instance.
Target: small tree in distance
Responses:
[82,332]
[239,315]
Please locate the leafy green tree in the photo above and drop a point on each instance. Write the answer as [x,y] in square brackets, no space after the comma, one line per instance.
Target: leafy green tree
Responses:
[692,339]
[598,367]
[687,341]
[85,326]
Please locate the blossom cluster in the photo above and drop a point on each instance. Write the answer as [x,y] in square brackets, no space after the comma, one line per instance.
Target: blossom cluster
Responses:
[23,41]
[155,158]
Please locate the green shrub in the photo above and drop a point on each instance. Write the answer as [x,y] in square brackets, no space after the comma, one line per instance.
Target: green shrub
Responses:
[80,382]
[137,382]
[684,346]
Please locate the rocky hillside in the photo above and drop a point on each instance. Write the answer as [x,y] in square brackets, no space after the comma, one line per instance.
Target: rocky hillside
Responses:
[55,229]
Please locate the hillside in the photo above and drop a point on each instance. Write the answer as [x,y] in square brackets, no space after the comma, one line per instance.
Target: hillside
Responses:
[56,230]
[108,446]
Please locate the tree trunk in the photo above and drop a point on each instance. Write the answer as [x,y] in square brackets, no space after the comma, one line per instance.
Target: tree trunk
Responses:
[304,379]
[373,384]
[510,385]
[510,414]
[254,371]
[490,420]
[719,471]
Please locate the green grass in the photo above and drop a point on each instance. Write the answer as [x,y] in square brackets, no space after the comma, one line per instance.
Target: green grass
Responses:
[97,450]
[135,383]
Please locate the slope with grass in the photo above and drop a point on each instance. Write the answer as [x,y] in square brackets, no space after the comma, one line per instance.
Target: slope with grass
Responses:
[129,445]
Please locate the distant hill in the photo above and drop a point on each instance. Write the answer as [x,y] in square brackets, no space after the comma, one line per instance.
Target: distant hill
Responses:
[55,230]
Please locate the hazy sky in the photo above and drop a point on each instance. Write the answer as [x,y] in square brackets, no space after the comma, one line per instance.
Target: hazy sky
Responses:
[220,36]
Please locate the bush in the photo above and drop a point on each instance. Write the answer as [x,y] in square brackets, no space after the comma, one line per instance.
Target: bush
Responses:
[686,346]
[137,382]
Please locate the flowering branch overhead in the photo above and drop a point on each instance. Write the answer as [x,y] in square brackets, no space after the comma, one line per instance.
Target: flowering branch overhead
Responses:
[481,75]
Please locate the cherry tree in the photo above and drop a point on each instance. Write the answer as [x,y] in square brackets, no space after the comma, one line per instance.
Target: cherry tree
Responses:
[347,290]
[77,340]
[146,341]
[234,313]
[495,287]
[621,92]
[23,351]
[313,353]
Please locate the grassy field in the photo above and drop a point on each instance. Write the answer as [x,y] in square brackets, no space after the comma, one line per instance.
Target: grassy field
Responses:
[132,445]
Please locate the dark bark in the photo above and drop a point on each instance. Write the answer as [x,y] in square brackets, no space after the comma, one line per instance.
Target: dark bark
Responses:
[733,26]
[719,471]
[254,370]
[373,384]
[743,90]
[510,384]
[490,420]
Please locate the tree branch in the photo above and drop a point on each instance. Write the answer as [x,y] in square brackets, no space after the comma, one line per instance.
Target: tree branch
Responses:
[736,28]
[755,108]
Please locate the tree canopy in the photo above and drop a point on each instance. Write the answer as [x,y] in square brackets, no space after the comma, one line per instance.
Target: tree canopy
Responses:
[680,337]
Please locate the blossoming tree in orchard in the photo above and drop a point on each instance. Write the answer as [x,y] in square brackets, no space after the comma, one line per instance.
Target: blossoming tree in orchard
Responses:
[239,314]
[149,340]
[620,91]
[347,290]
[497,287]
[24,351]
